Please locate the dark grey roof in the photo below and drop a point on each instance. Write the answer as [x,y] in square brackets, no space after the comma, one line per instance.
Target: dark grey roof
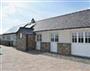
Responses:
[73,20]
[25,30]
[29,25]
[16,28]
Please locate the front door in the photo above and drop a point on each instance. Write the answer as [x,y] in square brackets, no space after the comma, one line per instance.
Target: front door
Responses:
[38,45]
[39,39]
[54,47]
[54,40]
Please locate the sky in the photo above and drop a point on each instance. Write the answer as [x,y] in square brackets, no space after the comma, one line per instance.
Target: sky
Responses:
[17,12]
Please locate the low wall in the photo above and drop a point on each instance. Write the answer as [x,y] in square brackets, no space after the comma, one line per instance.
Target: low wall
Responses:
[64,48]
[45,46]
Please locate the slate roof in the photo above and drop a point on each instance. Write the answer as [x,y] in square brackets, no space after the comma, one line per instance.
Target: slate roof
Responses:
[16,28]
[25,30]
[80,19]
[73,20]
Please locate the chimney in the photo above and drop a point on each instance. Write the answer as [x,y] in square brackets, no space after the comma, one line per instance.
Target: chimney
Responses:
[32,21]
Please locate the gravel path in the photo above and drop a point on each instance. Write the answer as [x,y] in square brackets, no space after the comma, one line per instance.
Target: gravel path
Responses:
[14,60]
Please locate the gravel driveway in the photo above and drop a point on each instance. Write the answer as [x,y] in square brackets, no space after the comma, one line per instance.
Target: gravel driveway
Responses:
[14,60]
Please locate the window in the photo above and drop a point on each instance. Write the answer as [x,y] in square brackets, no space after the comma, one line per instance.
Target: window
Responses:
[39,37]
[20,35]
[3,37]
[87,37]
[54,37]
[80,37]
[74,37]
[8,37]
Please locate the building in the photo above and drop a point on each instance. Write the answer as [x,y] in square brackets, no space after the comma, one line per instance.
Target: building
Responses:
[0,39]
[67,34]
[8,39]
[25,39]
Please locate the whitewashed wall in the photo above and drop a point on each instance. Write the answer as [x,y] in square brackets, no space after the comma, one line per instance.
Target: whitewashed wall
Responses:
[64,35]
[9,37]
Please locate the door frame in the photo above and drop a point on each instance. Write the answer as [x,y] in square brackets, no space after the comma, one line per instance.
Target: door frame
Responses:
[27,42]
[38,47]
[54,36]
[39,40]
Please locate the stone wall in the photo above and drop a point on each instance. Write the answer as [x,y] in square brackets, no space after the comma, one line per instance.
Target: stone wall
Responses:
[21,42]
[64,48]
[45,46]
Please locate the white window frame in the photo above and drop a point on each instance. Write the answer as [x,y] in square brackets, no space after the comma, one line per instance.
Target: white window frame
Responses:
[8,37]
[54,37]
[80,37]
[87,36]
[74,37]
[39,37]
[20,35]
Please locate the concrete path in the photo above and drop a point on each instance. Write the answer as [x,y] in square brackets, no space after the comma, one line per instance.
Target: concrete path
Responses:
[14,60]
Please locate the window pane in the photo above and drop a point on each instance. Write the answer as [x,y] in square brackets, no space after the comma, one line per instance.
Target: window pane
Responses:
[52,37]
[37,38]
[40,37]
[87,37]
[88,34]
[80,37]
[74,37]
[56,37]
[88,40]
[8,37]
[20,35]
[81,40]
